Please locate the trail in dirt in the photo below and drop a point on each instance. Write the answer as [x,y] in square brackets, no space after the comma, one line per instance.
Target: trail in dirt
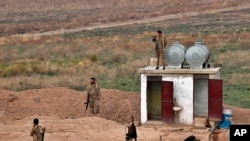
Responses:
[141,21]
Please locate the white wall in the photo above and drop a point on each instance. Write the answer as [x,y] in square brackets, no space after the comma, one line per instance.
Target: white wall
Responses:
[215,76]
[183,93]
[143,98]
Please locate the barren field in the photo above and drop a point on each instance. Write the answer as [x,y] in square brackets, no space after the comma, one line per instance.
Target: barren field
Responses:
[29,16]
[31,25]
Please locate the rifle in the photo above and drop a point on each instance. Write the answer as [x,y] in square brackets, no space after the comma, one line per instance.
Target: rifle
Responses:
[43,134]
[87,103]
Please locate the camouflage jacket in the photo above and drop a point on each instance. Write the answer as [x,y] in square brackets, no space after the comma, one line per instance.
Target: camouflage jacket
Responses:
[37,133]
[93,90]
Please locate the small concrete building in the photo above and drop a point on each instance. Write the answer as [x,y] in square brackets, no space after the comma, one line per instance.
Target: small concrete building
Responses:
[180,95]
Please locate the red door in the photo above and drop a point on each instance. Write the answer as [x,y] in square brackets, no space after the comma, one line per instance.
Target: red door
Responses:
[215,99]
[167,101]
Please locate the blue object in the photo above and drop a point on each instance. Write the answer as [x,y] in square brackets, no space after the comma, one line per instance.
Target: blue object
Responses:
[226,121]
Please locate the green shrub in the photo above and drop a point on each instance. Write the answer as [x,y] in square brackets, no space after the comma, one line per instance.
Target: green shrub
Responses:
[92,57]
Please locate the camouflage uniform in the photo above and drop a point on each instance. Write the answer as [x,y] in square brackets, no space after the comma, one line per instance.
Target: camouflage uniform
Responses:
[94,92]
[36,133]
[160,45]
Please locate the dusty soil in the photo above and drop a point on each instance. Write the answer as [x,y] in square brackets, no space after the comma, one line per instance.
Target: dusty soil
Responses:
[66,103]
[41,16]
[61,111]
[63,30]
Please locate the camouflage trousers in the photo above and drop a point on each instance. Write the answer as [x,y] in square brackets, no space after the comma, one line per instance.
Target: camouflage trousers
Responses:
[160,55]
[94,105]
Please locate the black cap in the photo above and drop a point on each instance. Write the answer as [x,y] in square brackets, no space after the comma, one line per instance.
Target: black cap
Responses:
[159,31]
[36,121]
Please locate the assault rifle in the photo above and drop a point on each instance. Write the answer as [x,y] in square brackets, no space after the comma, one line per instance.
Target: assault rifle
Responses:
[43,134]
[87,103]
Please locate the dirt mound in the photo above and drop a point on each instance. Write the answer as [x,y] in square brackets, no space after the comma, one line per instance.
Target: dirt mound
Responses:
[62,112]
[66,103]
[239,115]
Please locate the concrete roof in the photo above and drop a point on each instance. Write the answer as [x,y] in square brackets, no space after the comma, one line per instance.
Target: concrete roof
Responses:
[152,70]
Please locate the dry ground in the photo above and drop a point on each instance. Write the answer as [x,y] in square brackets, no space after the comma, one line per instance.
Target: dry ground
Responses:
[29,16]
[61,110]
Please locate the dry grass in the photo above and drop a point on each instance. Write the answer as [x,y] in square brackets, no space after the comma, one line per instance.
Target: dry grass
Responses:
[241,79]
[113,55]
[239,56]
[71,62]
[21,16]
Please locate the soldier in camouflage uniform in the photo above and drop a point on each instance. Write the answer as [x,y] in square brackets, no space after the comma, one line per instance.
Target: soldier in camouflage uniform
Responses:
[37,131]
[93,91]
[160,44]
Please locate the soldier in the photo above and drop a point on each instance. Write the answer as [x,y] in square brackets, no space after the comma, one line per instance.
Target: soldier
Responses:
[93,92]
[160,44]
[191,138]
[37,131]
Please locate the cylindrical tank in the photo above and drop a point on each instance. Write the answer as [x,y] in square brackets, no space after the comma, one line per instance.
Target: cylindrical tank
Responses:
[226,118]
[175,54]
[197,55]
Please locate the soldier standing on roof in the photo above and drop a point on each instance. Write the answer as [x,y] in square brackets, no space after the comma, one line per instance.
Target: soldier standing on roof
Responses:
[93,91]
[160,44]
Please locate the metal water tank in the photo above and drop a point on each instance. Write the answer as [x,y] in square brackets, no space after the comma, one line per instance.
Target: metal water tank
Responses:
[197,55]
[175,55]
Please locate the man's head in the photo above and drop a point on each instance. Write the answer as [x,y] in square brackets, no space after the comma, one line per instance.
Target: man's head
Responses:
[159,33]
[191,138]
[36,121]
[92,80]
